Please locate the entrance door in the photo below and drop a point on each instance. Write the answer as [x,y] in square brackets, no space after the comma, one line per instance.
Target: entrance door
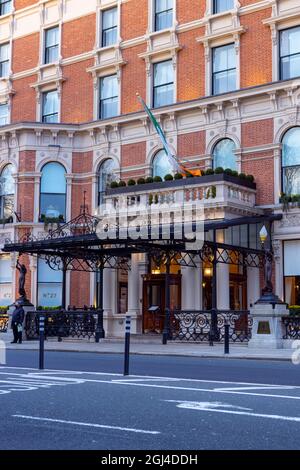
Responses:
[238,292]
[154,296]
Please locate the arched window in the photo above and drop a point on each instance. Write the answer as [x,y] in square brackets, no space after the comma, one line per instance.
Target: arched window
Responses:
[161,165]
[7,192]
[53,192]
[291,161]
[106,176]
[223,154]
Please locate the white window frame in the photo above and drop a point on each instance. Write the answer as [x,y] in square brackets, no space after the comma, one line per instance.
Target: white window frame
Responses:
[151,17]
[9,59]
[100,76]
[152,82]
[210,8]
[100,10]
[42,54]
[208,52]
[41,104]
[45,47]
[11,9]
[7,103]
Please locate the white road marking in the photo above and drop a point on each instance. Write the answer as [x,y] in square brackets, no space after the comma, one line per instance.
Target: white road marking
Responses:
[241,388]
[92,425]
[204,406]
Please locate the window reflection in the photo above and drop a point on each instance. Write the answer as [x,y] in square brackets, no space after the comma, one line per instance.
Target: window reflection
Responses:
[53,192]
[291,161]
[223,154]
[7,192]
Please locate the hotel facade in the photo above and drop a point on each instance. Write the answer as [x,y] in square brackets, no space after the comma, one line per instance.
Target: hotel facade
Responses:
[222,78]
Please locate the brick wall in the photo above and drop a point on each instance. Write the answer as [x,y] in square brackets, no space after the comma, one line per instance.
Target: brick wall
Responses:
[133,154]
[256,50]
[257,133]
[24,3]
[80,289]
[191,67]
[190,10]
[134,19]
[77,93]
[24,100]
[192,144]
[261,166]
[78,36]
[25,53]
[133,79]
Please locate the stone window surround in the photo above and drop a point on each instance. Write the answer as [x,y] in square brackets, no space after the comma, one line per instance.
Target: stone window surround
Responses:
[278,22]
[49,84]
[210,41]
[151,17]
[100,9]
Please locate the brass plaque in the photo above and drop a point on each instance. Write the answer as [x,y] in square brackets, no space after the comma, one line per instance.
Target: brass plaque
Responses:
[263,328]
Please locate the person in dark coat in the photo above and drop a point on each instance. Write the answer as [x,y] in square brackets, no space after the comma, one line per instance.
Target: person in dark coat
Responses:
[17,322]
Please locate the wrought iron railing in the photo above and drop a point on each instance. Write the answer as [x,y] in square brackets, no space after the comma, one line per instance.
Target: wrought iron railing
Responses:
[208,325]
[291,327]
[64,324]
[4,318]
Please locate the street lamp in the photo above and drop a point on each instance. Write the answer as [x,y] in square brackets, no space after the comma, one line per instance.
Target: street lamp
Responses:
[268,296]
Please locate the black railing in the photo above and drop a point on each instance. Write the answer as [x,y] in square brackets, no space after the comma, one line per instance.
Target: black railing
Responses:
[4,318]
[64,324]
[291,327]
[208,325]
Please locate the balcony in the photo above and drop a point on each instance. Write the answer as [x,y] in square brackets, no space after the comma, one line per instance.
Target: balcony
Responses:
[221,195]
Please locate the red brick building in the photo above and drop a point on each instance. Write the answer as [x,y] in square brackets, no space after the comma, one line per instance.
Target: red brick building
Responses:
[223,79]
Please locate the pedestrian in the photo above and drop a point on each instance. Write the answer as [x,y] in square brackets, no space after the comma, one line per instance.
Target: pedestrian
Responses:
[17,322]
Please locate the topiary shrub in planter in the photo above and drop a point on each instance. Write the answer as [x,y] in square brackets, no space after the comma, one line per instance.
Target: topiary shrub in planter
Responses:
[122,184]
[228,171]
[149,179]
[168,177]
[178,176]
[250,178]
[219,170]
[114,185]
[294,310]
[157,179]
[209,172]
[141,181]
[235,173]
[131,182]
[242,176]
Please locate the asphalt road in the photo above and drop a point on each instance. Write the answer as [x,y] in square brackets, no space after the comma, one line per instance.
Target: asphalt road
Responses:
[189,404]
[272,372]
[84,410]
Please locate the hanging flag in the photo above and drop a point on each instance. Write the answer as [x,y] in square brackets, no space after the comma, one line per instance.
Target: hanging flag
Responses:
[176,165]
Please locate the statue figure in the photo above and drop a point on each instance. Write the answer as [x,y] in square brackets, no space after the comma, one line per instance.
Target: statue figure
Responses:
[22,270]
[268,289]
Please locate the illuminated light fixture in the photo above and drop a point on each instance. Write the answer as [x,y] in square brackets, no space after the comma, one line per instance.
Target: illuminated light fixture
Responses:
[155,271]
[263,235]
[208,272]
[203,284]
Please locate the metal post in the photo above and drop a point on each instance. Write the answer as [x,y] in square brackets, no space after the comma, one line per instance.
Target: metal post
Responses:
[100,333]
[226,338]
[166,330]
[42,341]
[64,282]
[127,344]
[214,315]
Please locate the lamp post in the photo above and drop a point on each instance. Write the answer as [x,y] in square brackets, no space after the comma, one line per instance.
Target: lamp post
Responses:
[268,296]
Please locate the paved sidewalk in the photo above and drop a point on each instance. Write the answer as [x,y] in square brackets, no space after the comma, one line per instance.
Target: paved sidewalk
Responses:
[154,347]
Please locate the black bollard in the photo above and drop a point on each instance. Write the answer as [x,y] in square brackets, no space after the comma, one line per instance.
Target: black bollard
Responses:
[42,341]
[127,344]
[226,339]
